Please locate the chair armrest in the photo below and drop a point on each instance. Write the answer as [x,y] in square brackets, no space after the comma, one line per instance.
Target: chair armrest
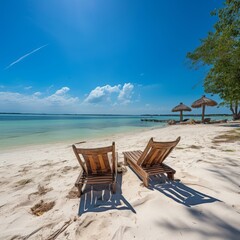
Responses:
[79,178]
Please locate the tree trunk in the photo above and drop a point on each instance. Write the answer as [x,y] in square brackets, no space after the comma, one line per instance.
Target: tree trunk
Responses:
[236,107]
[236,116]
[234,110]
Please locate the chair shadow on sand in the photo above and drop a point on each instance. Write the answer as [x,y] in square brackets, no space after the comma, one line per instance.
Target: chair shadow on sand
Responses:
[99,199]
[179,192]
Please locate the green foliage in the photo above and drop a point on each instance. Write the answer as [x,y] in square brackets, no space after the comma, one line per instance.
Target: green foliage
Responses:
[220,50]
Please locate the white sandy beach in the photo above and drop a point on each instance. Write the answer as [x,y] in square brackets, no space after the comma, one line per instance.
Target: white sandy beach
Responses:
[204,204]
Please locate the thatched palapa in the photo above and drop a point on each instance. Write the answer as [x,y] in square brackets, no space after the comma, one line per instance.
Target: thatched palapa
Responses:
[180,108]
[202,102]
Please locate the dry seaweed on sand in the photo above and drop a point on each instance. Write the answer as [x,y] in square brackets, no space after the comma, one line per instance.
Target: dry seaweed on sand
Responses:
[195,147]
[42,207]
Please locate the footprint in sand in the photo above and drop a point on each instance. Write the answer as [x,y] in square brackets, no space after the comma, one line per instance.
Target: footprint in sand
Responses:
[46,165]
[119,234]
[75,167]
[50,176]
[87,222]
[25,170]
[66,169]
[140,201]
[73,193]
[22,183]
[42,190]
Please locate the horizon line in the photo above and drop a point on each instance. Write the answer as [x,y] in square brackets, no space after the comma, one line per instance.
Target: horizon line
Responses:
[116,114]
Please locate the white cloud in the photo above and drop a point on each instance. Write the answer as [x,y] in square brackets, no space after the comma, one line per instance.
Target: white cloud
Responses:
[61,98]
[126,92]
[111,94]
[59,102]
[62,91]
[100,94]
[102,99]
[37,94]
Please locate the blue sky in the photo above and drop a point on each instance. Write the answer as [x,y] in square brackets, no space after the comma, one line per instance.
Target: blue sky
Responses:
[101,56]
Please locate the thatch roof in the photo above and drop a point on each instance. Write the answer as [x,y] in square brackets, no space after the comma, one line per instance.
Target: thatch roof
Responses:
[181,107]
[204,101]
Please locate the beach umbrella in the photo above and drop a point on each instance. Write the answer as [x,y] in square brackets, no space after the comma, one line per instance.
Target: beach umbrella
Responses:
[203,102]
[180,108]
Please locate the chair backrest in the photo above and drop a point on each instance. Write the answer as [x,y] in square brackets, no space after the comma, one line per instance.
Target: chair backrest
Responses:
[156,152]
[96,160]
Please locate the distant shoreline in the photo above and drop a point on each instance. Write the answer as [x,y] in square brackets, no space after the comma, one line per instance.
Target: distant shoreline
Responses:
[191,115]
[103,114]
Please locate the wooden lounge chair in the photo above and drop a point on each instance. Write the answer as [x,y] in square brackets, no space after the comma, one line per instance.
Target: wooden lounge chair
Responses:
[150,161]
[99,166]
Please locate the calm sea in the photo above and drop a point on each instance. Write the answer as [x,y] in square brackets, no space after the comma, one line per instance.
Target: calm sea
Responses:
[21,130]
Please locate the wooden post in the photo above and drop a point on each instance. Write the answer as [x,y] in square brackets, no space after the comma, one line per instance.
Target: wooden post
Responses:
[203,112]
[181,116]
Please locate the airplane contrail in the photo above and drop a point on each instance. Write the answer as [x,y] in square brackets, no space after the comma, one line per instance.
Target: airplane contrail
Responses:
[24,56]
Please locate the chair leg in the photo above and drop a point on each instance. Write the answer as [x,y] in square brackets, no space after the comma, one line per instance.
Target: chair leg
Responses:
[79,190]
[145,181]
[170,176]
[125,161]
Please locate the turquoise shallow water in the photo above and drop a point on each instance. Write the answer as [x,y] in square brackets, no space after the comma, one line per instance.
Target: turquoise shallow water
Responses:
[21,130]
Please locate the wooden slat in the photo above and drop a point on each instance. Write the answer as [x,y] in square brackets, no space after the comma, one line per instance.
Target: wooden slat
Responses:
[145,152]
[164,144]
[96,179]
[159,169]
[151,157]
[165,166]
[106,162]
[133,155]
[102,163]
[164,155]
[97,163]
[167,152]
[159,157]
[92,164]
[94,151]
